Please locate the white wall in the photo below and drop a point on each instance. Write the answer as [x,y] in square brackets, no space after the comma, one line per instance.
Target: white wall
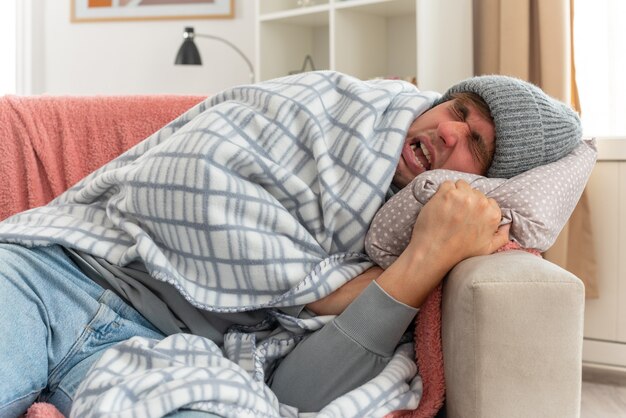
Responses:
[135,57]
[444,43]
[8,12]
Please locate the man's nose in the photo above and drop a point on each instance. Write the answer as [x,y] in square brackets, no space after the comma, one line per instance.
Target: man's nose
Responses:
[451,132]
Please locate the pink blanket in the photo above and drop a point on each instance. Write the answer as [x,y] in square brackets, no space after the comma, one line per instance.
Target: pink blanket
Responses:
[49,143]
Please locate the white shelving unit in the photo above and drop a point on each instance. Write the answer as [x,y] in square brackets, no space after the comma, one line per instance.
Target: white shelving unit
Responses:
[429,40]
[604,345]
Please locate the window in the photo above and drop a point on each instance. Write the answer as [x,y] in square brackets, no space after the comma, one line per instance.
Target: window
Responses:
[8,14]
[599,34]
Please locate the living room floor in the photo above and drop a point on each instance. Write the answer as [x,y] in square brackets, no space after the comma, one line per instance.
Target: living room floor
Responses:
[603,394]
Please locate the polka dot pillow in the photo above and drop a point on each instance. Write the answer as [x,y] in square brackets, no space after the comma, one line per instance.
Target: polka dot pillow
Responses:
[537,203]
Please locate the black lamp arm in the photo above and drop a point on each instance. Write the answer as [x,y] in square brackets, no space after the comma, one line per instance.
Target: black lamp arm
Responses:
[217,38]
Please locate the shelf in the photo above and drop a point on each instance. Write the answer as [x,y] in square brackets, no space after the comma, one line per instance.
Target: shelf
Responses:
[305,16]
[386,8]
[376,38]
[368,38]
[267,7]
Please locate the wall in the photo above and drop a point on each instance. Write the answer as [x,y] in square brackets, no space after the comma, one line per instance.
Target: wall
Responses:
[135,57]
[7,46]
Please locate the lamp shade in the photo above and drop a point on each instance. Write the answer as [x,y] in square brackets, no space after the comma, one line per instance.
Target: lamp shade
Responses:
[188,52]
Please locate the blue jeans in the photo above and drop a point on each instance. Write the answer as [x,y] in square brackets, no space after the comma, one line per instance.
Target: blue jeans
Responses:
[55,323]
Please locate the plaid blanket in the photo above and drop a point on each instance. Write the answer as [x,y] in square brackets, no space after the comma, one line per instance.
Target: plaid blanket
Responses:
[258,197]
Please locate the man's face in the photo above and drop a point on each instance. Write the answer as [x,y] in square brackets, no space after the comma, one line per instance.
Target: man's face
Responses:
[452,135]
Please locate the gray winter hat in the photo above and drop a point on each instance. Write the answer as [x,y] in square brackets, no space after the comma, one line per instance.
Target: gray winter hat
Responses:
[532,128]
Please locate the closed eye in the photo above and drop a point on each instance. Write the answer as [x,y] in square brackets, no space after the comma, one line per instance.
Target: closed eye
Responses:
[476,142]
[460,110]
[479,150]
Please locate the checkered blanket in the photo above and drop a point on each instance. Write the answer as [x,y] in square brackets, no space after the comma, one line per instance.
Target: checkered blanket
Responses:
[258,197]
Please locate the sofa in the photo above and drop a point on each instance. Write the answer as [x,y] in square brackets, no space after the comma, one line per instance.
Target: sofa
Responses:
[512,332]
[510,328]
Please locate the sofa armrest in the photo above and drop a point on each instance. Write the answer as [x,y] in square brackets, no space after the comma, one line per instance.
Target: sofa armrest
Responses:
[512,330]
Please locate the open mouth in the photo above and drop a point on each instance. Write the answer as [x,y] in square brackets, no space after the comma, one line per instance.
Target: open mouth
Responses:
[417,157]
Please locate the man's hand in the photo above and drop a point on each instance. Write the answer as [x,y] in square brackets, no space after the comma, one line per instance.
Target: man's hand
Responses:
[458,222]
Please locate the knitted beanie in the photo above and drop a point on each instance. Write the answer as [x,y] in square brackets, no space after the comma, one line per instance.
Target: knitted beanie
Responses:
[532,129]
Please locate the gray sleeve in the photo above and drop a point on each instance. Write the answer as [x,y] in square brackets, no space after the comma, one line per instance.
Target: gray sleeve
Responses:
[346,353]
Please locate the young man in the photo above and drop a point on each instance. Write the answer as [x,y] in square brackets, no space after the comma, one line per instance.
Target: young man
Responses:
[67,319]
[490,125]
